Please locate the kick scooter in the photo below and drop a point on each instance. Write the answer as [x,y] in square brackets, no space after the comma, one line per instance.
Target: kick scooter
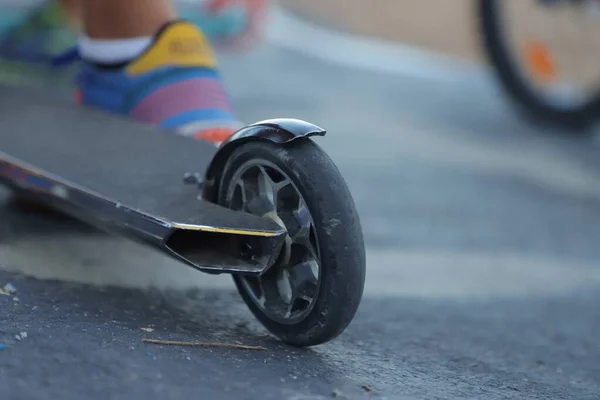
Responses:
[268,206]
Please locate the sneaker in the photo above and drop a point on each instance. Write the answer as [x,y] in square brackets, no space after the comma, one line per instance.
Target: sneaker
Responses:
[174,84]
[34,44]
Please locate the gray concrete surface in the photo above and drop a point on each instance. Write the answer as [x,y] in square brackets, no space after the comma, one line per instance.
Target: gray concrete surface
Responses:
[483,263]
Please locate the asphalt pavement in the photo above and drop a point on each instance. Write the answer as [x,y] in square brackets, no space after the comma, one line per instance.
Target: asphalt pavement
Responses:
[482,255]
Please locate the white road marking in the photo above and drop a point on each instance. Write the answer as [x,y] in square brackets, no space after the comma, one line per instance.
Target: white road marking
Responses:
[349,50]
[390,273]
[537,162]
[466,275]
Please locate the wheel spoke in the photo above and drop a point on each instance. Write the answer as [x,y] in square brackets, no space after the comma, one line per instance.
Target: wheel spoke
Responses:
[284,287]
[301,235]
[269,189]
[256,286]
[273,296]
[242,187]
[302,282]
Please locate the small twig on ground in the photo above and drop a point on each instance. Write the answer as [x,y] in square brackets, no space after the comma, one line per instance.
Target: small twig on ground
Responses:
[203,344]
[366,387]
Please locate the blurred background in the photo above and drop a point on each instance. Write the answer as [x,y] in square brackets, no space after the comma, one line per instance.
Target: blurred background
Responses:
[466,131]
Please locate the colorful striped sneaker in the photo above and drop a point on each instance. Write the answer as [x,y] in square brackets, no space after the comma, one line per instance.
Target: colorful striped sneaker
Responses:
[174,84]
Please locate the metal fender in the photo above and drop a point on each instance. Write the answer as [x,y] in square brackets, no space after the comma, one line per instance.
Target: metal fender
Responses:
[279,130]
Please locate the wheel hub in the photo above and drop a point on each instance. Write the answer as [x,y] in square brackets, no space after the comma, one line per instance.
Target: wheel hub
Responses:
[287,291]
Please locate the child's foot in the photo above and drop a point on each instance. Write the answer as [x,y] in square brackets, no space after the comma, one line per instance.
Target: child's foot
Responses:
[174,84]
[31,41]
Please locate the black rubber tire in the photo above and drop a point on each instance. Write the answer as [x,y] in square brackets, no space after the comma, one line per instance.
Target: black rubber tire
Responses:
[576,121]
[339,236]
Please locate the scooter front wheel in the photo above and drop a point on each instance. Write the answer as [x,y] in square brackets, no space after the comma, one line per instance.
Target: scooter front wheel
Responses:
[313,292]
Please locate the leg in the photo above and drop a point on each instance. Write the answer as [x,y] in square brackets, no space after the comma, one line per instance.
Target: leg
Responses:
[73,12]
[115,19]
[140,60]
[233,23]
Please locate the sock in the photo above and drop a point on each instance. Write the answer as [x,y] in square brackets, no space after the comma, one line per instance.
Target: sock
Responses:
[112,51]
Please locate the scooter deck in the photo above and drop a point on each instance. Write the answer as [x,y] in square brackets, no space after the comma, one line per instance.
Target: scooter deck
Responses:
[136,170]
